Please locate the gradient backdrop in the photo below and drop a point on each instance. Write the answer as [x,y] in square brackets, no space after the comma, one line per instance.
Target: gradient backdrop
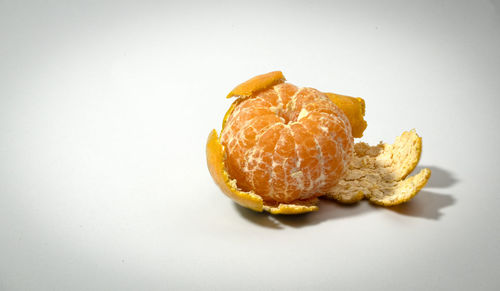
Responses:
[105,107]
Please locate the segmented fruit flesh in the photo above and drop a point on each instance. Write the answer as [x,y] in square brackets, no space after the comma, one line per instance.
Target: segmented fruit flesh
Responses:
[287,143]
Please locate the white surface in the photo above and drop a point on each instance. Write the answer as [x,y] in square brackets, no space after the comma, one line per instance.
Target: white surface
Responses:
[105,109]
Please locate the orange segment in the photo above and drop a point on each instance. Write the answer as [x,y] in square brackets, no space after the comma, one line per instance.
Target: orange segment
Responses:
[257,83]
[230,110]
[354,109]
[217,169]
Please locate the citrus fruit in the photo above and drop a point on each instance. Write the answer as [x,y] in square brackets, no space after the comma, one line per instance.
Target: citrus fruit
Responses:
[354,109]
[287,143]
[282,146]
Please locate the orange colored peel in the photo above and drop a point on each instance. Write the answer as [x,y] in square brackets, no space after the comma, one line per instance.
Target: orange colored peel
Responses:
[257,83]
[297,207]
[354,109]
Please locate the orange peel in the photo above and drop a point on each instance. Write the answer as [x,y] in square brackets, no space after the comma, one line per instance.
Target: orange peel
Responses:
[354,109]
[297,207]
[380,173]
[257,83]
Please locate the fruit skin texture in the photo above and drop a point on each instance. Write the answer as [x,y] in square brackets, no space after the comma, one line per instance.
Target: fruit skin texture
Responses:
[287,143]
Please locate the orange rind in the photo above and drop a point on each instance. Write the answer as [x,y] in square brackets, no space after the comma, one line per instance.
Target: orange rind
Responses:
[380,173]
[256,84]
[354,109]
[215,162]
[296,207]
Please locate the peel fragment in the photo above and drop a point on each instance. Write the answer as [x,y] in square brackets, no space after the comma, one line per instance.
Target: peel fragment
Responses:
[354,109]
[216,166]
[296,207]
[257,83]
[379,173]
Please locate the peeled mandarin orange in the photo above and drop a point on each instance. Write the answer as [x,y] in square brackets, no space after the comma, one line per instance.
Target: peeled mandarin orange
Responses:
[282,146]
[287,143]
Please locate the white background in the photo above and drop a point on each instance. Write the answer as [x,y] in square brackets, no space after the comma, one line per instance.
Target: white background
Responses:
[105,108]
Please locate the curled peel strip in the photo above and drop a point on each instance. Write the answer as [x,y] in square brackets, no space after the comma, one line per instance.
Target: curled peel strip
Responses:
[354,109]
[257,83]
[296,207]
